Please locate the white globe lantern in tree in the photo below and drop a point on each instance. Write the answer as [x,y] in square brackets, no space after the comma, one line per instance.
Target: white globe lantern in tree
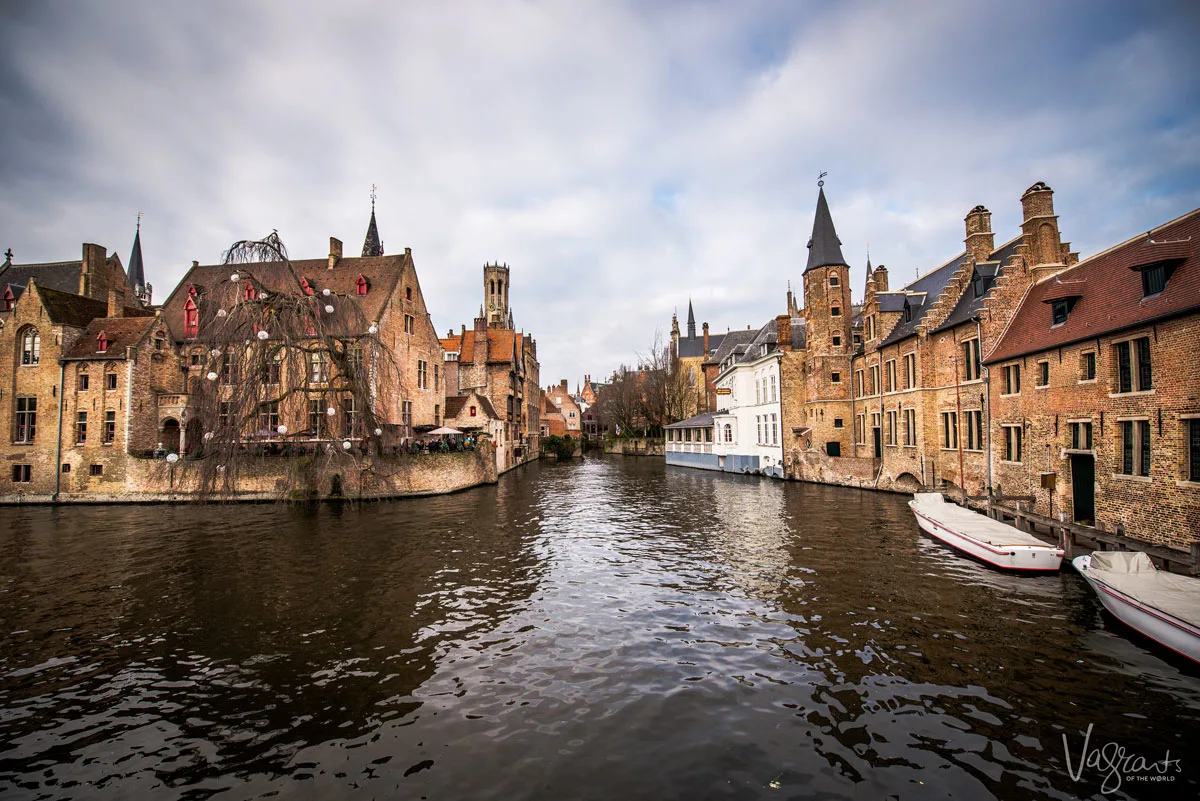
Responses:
[374,329]
[346,445]
[172,458]
[235,277]
[282,429]
[331,411]
[211,376]
[328,308]
[263,335]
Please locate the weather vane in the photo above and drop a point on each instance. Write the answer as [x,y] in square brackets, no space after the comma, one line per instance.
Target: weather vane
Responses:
[373,188]
[139,221]
[820,179]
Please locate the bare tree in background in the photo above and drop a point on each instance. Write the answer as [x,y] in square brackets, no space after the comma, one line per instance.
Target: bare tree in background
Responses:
[292,373]
[642,401]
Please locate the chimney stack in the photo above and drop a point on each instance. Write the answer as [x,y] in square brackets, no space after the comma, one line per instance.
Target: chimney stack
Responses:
[783,332]
[706,339]
[335,251]
[980,239]
[116,303]
[881,279]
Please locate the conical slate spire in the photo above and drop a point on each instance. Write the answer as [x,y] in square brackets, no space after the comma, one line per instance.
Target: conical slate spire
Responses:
[371,245]
[824,248]
[136,274]
[691,321]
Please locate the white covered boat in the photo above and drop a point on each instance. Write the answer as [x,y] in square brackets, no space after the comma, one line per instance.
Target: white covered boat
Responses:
[991,541]
[1163,606]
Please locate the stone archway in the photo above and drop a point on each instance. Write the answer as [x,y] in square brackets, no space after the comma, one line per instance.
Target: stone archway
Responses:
[907,482]
[168,435]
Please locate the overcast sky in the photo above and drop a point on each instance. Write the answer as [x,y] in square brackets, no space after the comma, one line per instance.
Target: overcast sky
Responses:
[621,158]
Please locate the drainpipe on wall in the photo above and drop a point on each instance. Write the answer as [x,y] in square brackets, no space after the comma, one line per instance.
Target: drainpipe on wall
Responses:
[987,407]
[62,373]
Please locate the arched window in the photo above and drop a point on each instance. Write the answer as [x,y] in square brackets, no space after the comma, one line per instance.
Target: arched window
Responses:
[10,299]
[248,292]
[360,285]
[191,316]
[728,433]
[101,342]
[408,293]
[31,347]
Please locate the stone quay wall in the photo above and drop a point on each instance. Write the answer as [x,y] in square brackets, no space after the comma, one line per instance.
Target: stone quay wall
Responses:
[636,447]
[147,480]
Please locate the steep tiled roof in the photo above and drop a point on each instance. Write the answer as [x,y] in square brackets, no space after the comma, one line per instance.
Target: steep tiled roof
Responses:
[122,332]
[381,272]
[456,403]
[968,305]
[691,347]
[65,308]
[729,342]
[1110,291]
[702,420]
[60,275]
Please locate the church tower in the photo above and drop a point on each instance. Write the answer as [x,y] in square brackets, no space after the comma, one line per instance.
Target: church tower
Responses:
[138,288]
[826,287]
[372,245]
[495,295]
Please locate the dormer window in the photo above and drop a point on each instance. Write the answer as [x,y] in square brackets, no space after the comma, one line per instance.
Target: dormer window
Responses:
[101,342]
[907,311]
[248,292]
[191,316]
[360,285]
[307,287]
[191,290]
[10,300]
[1060,309]
[1155,277]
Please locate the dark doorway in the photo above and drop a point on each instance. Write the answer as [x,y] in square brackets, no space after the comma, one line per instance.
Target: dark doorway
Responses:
[170,435]
[878,442]
[1083,487]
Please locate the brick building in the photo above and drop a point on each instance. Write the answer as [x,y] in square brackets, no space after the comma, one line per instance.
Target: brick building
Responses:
[406,384]
[50,311]
[501,364]
[560,397]
[691,353]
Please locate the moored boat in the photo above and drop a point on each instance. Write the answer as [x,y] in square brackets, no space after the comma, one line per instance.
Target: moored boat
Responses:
[1156,603]
[988,540]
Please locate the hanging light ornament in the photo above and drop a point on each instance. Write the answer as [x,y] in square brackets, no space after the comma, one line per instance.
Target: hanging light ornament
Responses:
[325,291]
[215,352]
[208,435]
[374,329]
[263,335]
[379,432]
[211,376]
[331,411]
[263,295]
[346,445]
[328,309]
[221,312]
[172,458]
[282,429]
[234,277]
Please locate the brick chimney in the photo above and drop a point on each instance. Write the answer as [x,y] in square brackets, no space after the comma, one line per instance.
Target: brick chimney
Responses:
[881,279]
[1043,249]
[93,277]
[563,385]
[980,240]
[783,332]
[706,339]
[116,303]
[335,251]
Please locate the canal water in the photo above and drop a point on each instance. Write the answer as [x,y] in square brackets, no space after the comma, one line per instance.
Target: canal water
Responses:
[612,629]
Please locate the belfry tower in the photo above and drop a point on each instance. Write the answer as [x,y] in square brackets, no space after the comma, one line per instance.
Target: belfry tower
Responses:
[495,295]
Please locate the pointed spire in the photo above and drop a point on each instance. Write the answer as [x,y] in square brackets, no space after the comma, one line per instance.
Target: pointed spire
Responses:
[372,246]
[824,248]
[136,273]
[869,270]
[691,321]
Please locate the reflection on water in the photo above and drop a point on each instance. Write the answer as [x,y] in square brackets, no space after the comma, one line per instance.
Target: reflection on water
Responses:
[616,628]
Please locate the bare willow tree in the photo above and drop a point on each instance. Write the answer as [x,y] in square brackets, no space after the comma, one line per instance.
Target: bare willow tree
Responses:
[658,392]
[291,372]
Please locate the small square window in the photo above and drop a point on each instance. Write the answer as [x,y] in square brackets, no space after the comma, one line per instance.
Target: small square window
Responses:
[22,473]
[1087,366]
[66,468]
[96,470]
[110,380]
[836,378]
[837,341]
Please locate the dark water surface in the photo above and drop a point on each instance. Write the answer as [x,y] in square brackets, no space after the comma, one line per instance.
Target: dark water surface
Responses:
[613,630]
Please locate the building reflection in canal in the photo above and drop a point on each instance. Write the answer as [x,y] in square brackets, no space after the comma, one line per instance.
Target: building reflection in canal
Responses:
[585,631]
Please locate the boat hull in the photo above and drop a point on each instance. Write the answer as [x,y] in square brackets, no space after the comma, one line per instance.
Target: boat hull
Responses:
[1166,630]
[1013,558]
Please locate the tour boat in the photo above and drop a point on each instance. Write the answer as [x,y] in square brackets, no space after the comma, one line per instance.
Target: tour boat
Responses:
[1161,605]
[991,541]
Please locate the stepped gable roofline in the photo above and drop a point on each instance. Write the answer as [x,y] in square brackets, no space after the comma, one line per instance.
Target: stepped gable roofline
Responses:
[968,306]
[703,420]
[1110,292]
[824,247]
[382,273]
[122,333]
